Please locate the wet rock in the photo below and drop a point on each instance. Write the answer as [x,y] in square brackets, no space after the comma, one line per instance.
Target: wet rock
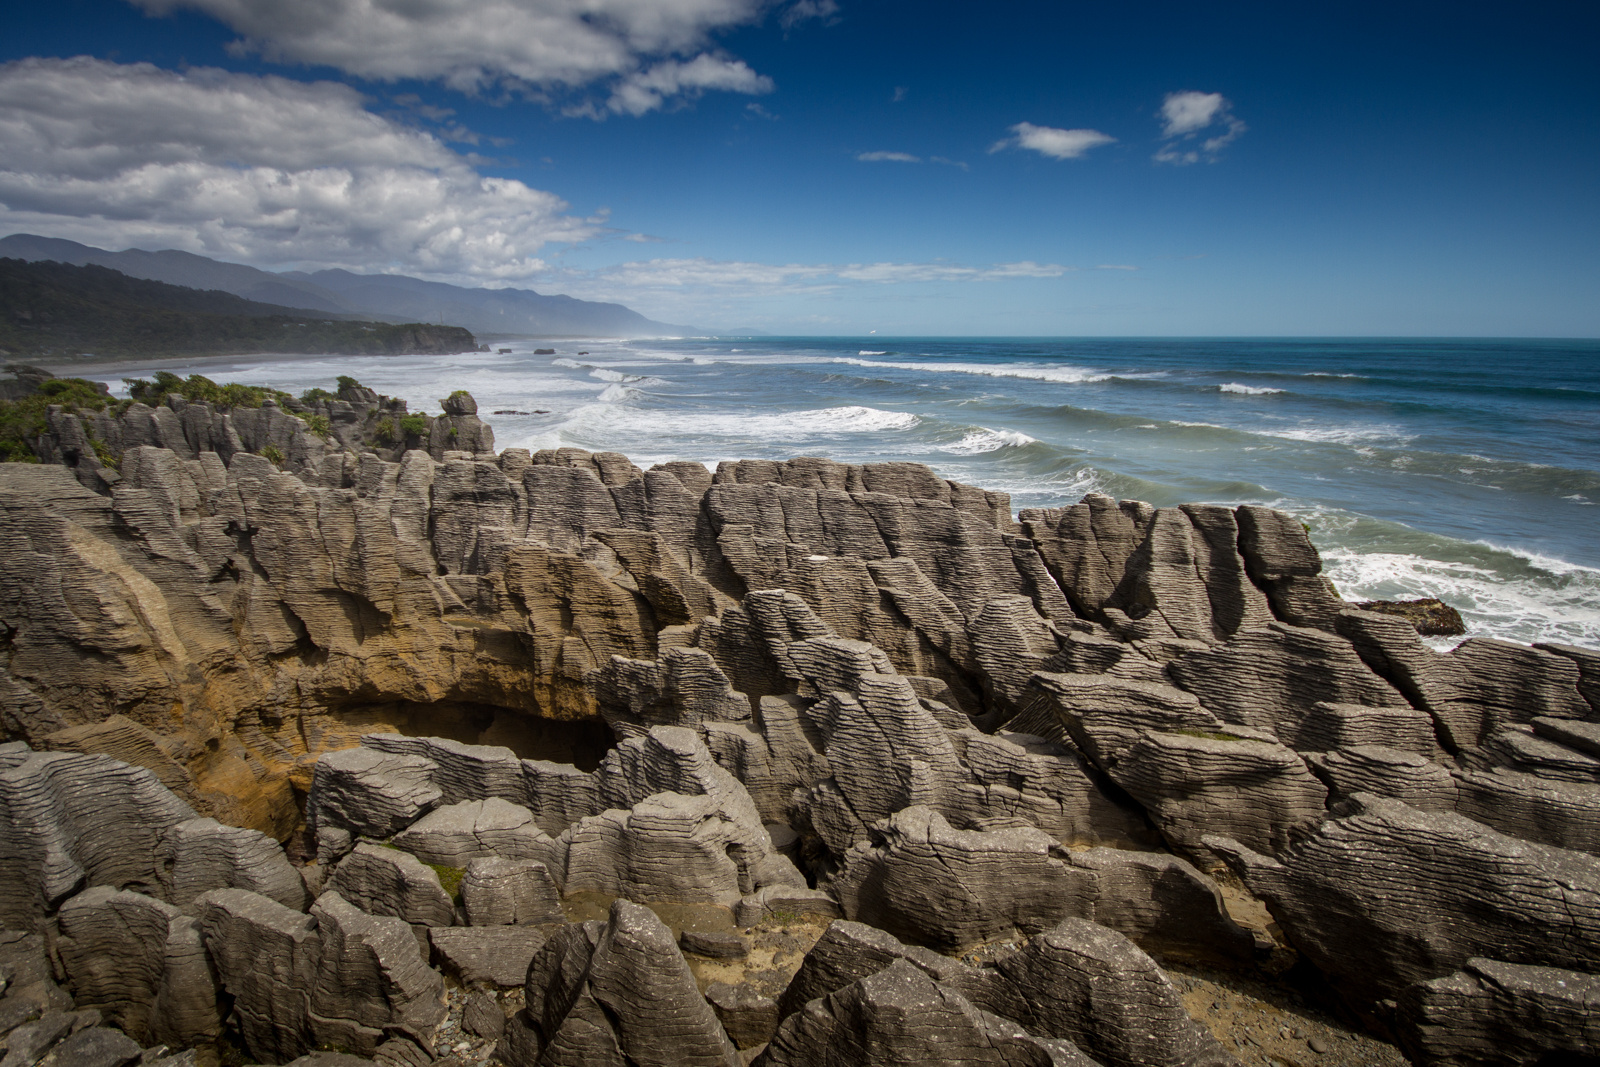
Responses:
[1430,617]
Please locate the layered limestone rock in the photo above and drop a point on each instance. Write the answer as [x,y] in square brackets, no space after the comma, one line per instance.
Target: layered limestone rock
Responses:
[782,689]
[335,977]
[1384,895]
[616,992]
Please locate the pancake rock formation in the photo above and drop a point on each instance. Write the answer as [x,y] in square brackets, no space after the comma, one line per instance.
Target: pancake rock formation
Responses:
[339,753]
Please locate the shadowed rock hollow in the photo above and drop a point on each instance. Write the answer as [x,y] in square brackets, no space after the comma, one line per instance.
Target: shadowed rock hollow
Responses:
[486,683]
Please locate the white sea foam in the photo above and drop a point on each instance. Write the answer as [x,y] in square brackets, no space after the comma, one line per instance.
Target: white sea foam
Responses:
[1550,600]
[1063,373]
[1329,374]
[869,352]
[630,428]
[983,440]
[563,361]
[1340,435]
[1247,390]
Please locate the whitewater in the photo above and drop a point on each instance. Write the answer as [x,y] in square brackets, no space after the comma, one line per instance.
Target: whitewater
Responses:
[1467,470]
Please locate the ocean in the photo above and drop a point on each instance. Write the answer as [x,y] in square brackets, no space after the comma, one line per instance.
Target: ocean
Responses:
[1463,469]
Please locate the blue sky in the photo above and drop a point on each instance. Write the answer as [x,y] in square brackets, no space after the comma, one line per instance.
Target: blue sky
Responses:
[840,166]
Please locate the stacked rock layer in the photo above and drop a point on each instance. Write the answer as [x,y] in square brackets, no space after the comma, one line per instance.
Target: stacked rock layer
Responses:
[469,689]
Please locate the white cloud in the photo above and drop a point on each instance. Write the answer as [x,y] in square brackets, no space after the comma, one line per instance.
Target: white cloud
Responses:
[888,157]
[674,275]
[946,272]
[1185,116]
[648,89]
[1053,142]
[260,169]
[639,45]
[808,9]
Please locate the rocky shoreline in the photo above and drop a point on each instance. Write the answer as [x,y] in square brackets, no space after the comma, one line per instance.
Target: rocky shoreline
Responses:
[361,748]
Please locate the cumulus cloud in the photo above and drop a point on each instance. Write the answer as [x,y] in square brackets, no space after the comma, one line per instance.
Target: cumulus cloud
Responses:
[1185,119]
[888,157]
[261,169]
[640,46]
[1052,142]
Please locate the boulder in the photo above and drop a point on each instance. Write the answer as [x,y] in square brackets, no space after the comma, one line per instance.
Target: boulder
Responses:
[1382,896]
[1497,1013]
[487,955]
[457,834]
[504,892]
[386,881]
[1199,782]
[366,792]
[334,977]
[899,1015]
[617,992]
[69,821]
[1091,985]
[202,854]
[924,881]
[749,1018]
[141,963]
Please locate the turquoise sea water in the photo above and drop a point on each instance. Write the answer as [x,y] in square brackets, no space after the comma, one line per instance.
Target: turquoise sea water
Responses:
[1465,469]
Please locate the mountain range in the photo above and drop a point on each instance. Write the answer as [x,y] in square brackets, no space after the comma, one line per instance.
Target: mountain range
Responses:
[383,297]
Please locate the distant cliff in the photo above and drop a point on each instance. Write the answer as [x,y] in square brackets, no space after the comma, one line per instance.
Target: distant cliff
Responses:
[62,312]
[387,297]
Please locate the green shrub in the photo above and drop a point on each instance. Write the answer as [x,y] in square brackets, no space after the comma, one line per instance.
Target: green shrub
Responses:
[415,425]
[272,454]
[200,389]
[316,395]
[346,382]
[318,424]
[24,419]
[383,432]
[104,454]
